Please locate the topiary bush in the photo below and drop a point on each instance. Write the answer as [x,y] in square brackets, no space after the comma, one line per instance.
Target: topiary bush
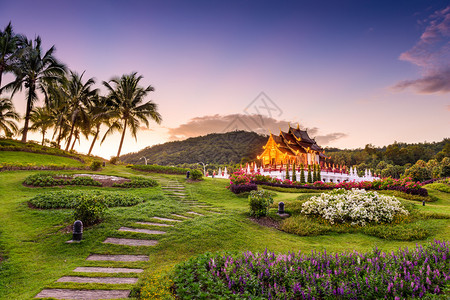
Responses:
[137,182]
[259,202]
[242,188]
[90,209]
[196,175]
[95,165]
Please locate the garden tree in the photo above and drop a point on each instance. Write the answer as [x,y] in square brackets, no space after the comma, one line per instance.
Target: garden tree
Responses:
[302,173]
[32,69]
[9,49]
[79,94]
[314,173]
[310,179]
[287,170]
[8,117]
[319,177]
[294,176]
[128,107]
[42,120]
[392,171]
[100,113]
[418,172]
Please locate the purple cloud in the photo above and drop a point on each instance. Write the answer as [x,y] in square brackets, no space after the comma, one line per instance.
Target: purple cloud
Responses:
[432,54]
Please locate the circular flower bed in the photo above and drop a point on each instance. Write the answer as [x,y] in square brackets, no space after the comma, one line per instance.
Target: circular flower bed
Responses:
[356,207]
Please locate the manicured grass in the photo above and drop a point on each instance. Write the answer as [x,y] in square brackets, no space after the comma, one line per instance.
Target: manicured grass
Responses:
[36,254]
[17,157]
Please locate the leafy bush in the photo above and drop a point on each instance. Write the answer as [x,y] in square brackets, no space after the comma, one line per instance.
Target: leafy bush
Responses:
[90,209]
[69,199]
[407,273]
[113,160]
[137,182]
[356,207]
[440,187]
[52,179]
[96,165]
[242,188]
[259,202]
[196,175]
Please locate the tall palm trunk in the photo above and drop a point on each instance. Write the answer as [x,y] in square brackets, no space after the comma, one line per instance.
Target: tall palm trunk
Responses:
[70,136]
[43,137]
[27,114]
[123,136]
[1,74]
[74,141]
[95,138]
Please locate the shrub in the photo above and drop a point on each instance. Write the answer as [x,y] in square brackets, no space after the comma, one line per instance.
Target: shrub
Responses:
[196,175]
[113,160]
[242,188]
[160,169]
[440,187]
[405,274]
[259,202]
[137,182]
[96,165]
[69,199]
[52,179]
[90,209]
[356,207]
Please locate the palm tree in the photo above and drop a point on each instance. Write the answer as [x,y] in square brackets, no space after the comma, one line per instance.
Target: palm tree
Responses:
[32,70]
[79,96]
[127,101]
[9,46]
[42,119]
[100,113]
[7,117]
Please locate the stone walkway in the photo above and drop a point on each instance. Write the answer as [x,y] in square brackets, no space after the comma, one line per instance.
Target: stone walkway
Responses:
[172,189]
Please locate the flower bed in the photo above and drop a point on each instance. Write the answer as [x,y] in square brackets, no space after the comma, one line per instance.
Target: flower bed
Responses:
[356,207]
[408,273]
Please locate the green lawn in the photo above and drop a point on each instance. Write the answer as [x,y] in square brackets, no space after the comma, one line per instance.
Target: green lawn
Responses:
[19,157]
[36,254]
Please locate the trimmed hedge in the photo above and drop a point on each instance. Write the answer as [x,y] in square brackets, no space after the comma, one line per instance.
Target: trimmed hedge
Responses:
[70,199]
[242,188]
[160,169]
[137,182]
[48,179]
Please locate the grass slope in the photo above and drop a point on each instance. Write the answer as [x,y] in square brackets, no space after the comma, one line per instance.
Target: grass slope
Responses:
[15,157]
[36,254]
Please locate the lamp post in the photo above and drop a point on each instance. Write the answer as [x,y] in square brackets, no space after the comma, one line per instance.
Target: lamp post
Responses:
[144,159]
[204,167]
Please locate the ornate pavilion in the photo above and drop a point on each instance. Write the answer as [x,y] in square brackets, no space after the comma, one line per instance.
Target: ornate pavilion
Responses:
[289,147]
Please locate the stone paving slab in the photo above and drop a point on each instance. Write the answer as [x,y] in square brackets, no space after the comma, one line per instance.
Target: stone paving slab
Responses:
[107,270]
[120,257]
[106,280]
[166,219]
[83,294]
[180,216]
[194,213]
[130,242]
[139,230]
[155,224]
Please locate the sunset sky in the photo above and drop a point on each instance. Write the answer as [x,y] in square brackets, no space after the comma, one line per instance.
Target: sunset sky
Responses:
[353,72]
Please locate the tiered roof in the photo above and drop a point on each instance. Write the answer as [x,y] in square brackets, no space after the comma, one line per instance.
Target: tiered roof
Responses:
[296,141]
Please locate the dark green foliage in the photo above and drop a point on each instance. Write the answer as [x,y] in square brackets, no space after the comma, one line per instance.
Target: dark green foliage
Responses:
[221,148]
[196,175]
[310,179]
[137,182]
[294,176]
[319,177]
[243,188]
[259,202]
[302,174]
[418,172]
[113,160]
[96,165]
[52,179]
[69,199]
[314,173]
[90,209]
[287,171]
